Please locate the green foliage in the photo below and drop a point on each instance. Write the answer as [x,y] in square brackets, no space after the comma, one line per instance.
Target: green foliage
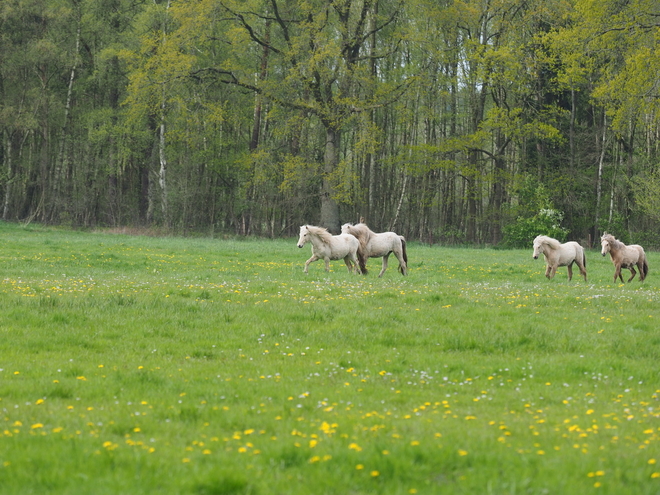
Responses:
[536,215]
[646,188]
[522,232]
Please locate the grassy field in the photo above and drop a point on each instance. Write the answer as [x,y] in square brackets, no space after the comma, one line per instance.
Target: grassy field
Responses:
[140,365]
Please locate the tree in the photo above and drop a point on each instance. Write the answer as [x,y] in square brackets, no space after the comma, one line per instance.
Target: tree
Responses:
[320,57]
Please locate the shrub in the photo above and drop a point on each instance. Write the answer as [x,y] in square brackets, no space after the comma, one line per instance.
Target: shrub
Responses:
[522,232]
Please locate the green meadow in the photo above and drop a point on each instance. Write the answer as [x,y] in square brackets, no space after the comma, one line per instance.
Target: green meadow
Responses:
[141,365]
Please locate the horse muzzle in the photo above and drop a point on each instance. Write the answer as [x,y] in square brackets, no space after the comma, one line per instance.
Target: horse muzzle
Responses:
[300,245]
[536,257]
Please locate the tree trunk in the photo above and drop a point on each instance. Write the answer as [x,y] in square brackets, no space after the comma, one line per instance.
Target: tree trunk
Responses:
[258,103]
[8,156]
[329,206]
[162,173]
[61,162]
[599,181]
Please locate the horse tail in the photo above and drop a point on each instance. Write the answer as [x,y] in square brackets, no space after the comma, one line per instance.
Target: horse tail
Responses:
[404,252]
[584,258]
[645,267]
[362,260]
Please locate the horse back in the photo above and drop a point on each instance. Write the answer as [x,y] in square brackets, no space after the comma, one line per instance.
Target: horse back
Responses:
[384,243]
[567,254]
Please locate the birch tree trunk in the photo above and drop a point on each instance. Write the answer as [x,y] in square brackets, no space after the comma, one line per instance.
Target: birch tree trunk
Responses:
[61,163]
[599,180]
[162,172]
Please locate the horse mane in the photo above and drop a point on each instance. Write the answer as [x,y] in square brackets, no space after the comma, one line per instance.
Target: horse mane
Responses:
[362,232]
[548,241]
[321,233]
[612,241]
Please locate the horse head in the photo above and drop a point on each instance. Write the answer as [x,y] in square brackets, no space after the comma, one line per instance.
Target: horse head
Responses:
[303,236]
[605,243]
[537,248]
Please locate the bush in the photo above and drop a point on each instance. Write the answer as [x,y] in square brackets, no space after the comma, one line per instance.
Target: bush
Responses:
[522,232]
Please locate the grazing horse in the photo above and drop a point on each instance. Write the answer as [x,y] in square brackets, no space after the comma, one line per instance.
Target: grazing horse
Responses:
[374,245]
[558,254]
[329,247]
[624,257]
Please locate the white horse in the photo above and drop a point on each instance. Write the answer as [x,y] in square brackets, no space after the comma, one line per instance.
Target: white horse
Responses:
[624,257]
[329,247]
[558,254]
[374,245]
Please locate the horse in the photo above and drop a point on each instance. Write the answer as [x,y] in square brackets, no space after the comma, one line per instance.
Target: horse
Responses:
[373,245]
[329,247]
[624,257]
[558,254]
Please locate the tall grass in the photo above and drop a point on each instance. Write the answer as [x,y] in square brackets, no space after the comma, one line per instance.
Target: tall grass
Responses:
[166,365]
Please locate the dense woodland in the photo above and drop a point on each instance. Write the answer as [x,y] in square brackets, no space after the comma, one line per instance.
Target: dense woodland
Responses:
[452,121]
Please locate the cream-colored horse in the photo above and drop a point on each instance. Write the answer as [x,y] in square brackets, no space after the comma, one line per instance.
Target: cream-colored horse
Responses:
[624,257]
[373,245]
[328,247]
[558,254]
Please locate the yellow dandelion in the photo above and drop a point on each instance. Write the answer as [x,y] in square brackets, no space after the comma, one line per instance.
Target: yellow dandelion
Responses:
[462,452]
[374,473]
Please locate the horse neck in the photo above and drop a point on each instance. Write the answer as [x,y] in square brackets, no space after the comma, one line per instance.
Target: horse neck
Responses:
[317,242]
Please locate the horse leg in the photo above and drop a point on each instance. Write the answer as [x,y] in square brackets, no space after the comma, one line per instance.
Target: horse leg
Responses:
[570,271]
[356,264]
[327,264]
[403,267]
[583,269]
[617,273]
[351,264]
[384,265]
[548,268]
[632,270]
[311,260]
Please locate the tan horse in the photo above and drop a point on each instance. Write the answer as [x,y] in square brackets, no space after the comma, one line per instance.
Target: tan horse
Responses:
[558,254]
[328,247]
[624,257]
[373,245]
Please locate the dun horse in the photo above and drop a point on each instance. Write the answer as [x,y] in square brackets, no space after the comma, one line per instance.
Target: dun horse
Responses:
[558,254]
[624,257]
[373,245]
[329,247]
